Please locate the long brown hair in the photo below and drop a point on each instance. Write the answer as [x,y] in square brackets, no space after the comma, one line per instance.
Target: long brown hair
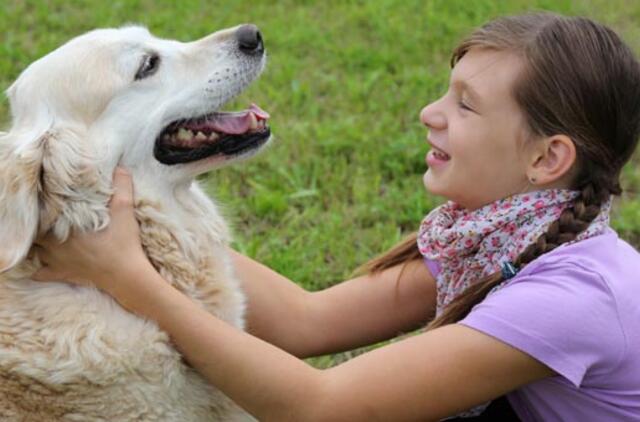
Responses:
[579,79]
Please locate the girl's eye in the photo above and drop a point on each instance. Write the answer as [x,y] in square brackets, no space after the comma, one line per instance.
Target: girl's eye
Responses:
[463,106]
[148,66]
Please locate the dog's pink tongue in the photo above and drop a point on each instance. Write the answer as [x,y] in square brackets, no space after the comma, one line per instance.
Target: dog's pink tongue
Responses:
[237,123]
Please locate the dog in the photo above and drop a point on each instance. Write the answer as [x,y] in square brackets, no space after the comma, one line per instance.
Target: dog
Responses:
[106,98]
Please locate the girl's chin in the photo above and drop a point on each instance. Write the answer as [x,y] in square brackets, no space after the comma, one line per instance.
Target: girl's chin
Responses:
[430,184]
[435,187]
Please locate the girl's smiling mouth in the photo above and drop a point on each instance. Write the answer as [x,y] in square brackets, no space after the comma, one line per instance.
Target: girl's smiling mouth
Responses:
[437,157]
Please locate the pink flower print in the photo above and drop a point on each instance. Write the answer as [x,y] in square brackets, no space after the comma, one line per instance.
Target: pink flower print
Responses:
[495,242]
[539,204]
[468,243]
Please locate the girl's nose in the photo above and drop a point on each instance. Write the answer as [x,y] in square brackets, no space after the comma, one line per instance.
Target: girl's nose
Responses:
[433,117]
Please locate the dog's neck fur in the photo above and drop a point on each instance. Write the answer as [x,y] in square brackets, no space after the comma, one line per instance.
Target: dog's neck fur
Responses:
[185,240]
[184,237]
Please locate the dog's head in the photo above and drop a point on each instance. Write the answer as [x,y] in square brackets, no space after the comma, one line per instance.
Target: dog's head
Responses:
[120,96]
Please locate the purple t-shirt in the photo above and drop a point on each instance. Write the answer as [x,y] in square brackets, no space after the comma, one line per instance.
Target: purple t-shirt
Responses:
[577,310]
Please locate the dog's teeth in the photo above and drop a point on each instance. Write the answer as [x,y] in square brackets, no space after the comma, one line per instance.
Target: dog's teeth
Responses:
[253,122]
[201,136]
[213,136]
[184,134]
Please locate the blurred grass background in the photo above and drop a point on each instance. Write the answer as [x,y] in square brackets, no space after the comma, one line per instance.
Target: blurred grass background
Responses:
[344,84]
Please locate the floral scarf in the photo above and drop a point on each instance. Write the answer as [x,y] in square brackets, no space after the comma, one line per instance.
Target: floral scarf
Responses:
[468,245]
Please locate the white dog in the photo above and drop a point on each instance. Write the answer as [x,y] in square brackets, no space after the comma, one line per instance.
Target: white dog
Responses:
[108,97]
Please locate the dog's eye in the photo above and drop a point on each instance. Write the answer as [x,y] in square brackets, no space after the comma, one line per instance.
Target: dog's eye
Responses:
[148,67]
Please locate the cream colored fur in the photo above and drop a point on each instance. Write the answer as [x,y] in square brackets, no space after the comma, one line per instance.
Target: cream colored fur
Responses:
[71,353]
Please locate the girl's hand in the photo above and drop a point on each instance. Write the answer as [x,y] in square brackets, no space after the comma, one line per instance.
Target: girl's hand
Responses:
[97,258]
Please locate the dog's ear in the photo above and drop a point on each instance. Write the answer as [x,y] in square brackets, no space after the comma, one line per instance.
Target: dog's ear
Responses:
[20,172]
[73,193]
[48,182]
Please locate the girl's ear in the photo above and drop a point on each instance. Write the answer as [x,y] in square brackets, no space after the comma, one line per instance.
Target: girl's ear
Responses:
[20,174]
[552,161]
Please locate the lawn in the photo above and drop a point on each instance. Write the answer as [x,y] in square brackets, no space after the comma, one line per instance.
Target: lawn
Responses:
[344,84]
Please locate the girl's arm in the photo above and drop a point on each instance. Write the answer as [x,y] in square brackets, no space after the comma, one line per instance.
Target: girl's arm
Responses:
[350,314]
[361,311]
[425,377]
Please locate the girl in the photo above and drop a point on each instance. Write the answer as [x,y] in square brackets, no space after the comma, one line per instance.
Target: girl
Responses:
[534,296]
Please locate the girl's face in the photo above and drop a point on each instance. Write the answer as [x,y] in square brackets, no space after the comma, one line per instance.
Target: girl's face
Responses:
[477,132]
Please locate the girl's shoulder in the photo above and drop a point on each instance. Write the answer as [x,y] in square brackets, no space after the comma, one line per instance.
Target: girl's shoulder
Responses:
[597,268]
[606,256]
[576,308]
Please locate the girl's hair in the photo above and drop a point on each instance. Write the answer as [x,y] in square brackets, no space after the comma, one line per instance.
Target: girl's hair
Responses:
[579,79]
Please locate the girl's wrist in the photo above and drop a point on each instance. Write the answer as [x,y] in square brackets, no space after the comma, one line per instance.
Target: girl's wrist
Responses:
[145,293]
[125,283]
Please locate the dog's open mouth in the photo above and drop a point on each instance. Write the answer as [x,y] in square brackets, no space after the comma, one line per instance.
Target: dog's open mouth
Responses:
[220,133]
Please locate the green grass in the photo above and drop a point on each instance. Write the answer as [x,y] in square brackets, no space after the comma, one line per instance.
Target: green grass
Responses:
[344,84]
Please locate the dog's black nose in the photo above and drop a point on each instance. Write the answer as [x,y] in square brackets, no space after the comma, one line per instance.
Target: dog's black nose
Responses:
[249,39]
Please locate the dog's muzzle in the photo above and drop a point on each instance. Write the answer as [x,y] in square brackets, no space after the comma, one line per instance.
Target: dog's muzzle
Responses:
[225,134]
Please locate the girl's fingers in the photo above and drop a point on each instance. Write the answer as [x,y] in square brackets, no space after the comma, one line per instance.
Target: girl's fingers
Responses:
[122,189]
[45,241]
[75,259]
[43,274]
[40,252]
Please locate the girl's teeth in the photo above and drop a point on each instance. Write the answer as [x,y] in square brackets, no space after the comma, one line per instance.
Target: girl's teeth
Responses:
[440,155]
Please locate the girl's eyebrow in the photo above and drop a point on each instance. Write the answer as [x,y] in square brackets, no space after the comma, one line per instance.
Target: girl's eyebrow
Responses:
[463,86]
